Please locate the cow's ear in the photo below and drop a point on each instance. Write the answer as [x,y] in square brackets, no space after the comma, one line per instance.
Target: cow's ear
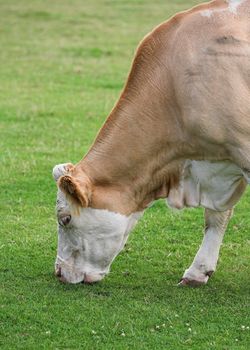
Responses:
[79,190]
[61,169]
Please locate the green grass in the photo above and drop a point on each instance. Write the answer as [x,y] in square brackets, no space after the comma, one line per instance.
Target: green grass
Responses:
[63,64]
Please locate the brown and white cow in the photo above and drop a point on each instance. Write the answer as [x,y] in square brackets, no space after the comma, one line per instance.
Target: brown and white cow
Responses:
[180,130]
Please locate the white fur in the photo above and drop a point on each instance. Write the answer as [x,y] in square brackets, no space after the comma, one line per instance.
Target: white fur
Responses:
[207,184]
[206,257]
[90,242]
[212,186]
[234,4]
[232,8]
[206,13]
[59,170]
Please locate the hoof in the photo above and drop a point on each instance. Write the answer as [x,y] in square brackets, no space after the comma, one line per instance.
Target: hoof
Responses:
[195,278]
[191,283]
[209,273]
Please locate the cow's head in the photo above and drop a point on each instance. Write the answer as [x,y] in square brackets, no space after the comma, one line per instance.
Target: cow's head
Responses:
[88,239]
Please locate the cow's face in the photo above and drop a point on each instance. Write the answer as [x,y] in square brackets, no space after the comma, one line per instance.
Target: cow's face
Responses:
[88,239]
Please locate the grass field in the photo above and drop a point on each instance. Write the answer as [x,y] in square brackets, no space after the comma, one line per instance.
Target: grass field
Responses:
[63,64]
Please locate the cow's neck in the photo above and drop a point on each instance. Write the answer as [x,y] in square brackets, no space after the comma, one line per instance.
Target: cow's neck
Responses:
[133,159]
[137,154]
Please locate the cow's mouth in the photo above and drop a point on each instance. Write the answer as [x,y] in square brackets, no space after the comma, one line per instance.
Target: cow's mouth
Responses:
[85,278]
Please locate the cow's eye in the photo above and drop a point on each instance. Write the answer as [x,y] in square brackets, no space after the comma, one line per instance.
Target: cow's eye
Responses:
[64,220]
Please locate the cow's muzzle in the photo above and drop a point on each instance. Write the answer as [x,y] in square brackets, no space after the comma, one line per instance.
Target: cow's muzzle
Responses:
[86,277]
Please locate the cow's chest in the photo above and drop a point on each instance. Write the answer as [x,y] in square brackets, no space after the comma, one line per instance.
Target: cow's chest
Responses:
[213,185]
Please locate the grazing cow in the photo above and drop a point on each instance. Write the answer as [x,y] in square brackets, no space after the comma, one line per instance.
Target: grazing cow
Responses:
[180,130]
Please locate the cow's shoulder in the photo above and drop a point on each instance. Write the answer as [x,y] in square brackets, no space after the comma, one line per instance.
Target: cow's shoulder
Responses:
[207,19]
[184,18]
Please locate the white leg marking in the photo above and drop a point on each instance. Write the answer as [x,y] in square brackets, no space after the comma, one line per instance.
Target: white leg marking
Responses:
[205,261]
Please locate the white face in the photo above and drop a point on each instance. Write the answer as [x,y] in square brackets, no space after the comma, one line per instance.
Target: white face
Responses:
[88,240]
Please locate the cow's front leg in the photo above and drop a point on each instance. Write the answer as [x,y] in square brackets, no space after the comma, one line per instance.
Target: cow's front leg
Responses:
[205,261]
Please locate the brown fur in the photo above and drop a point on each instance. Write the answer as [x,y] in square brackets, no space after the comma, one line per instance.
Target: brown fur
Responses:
[78,190]
[179,102]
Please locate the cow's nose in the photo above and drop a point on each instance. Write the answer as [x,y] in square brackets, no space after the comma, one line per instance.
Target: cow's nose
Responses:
[87,279]
[93,278]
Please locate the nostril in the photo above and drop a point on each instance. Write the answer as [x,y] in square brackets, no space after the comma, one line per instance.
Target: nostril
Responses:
[66,219]
[58,271]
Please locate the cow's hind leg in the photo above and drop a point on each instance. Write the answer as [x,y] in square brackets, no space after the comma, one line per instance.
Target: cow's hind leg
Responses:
[205,261]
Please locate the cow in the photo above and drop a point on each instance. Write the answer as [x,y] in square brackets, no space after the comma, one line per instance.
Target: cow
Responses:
[180,130]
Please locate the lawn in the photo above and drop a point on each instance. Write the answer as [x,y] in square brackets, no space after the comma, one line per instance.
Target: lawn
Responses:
[63,65]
